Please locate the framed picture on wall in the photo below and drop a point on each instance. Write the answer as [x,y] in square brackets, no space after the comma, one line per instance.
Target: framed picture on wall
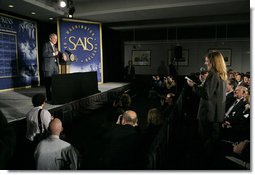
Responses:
[141,57]
[184,61]
[227,54]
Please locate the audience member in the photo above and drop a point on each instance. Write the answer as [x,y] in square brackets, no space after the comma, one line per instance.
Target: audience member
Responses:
[122,144]
[237,123]
[242,149]
[211,110]
[154,122]
[53,153]
[239,104]
[246,79]
[231,74]
[167,104]
[169,85]
[239,79]
[38,119]
[156,83]
[120,105]
[7,142]
[129,71]
[231,85]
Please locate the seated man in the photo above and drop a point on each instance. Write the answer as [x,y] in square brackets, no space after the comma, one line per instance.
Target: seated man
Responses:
[230,99]
[236,124]
[121,144]
[53,153]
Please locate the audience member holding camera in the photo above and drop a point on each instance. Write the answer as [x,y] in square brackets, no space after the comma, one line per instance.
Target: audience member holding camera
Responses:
[122,143]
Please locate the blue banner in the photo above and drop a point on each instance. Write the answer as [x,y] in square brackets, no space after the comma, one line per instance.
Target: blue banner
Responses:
[18,52]
[84,40]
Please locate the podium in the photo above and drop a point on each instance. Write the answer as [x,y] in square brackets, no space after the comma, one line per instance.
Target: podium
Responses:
[64,67]
[74,86]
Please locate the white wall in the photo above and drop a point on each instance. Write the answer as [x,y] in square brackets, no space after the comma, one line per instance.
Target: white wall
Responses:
[240,48]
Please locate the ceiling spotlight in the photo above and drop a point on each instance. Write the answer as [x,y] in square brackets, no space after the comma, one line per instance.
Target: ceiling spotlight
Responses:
[71,12]
[33,13]
[62,3]
[11,6]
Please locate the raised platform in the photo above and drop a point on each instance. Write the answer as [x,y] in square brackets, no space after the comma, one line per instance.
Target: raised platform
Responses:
[15,104]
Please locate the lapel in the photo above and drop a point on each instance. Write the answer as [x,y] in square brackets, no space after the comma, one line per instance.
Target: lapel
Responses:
[239,107]
[50,46]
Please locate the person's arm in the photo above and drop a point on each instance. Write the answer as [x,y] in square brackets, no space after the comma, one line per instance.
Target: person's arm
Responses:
[70,156]
[207,89]
[47,51]
[46,118]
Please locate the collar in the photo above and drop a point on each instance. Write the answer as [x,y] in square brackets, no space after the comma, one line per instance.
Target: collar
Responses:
[54,136]
[39,107]
[239,99]
[228,92]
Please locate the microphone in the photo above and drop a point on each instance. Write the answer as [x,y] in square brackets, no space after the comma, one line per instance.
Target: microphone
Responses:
[67,51]
[72,57]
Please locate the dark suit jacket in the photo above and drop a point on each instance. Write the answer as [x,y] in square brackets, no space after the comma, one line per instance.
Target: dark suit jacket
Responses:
[132,72]
[212,98]
[239,119]
[238,109]
[7,142]
[48,59]
[121,146]
[230,99]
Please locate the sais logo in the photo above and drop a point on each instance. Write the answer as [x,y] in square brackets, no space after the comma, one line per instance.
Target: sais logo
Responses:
[81,38]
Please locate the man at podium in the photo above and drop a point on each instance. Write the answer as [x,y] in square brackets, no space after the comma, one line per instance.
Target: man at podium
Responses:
[50,63]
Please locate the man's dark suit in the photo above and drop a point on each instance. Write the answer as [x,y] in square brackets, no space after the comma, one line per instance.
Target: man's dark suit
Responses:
[121,147]
[239,119]
[49,66]
[230,99]
[237,109]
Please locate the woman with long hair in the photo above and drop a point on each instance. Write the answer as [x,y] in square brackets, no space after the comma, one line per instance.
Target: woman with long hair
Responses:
[212,94]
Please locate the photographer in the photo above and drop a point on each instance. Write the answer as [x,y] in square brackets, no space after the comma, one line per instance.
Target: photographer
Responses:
[203,75]
[120,105]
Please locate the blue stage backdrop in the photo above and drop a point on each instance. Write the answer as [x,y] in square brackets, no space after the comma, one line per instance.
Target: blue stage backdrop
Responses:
[18,53]
[84,40]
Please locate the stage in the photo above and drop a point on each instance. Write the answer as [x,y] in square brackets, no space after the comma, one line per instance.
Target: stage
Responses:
[16,103]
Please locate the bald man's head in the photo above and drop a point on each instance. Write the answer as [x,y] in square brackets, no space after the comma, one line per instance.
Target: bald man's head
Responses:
[56,126]
[130,117]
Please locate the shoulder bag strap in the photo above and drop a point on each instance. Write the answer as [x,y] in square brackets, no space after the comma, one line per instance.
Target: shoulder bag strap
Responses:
[39,120]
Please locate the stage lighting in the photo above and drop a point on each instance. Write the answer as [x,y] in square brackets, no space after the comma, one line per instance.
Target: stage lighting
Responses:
[71,12]
[62,3]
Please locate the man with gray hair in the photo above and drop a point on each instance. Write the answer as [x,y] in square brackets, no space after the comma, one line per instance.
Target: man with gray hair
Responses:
[50,64]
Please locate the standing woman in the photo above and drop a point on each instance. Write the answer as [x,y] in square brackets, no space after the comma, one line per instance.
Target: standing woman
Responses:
[212,94]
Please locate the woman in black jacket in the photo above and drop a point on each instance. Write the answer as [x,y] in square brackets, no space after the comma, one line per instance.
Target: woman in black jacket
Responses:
[212,92]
